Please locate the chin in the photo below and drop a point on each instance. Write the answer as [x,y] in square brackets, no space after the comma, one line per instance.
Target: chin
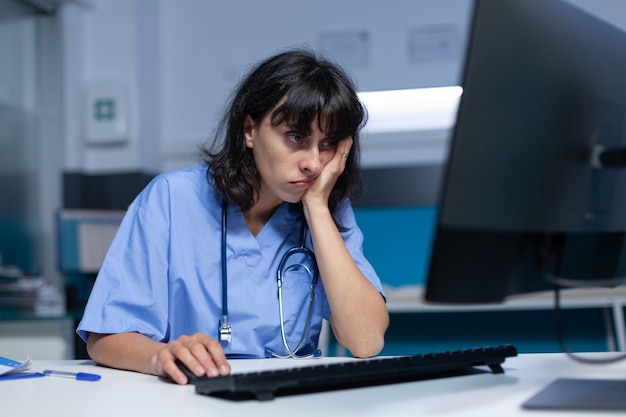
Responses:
[292,198]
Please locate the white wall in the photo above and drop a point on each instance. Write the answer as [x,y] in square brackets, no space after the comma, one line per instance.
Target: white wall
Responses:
[612,11]
[180,59]
[208,45]
[112,41]
[17,40]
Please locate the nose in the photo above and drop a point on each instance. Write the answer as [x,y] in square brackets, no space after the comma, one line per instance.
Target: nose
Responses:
[311,161]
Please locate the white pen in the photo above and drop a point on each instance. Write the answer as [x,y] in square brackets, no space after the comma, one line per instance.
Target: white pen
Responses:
[80,376]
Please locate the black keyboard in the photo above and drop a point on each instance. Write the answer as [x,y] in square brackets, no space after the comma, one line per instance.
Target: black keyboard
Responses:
[267,384]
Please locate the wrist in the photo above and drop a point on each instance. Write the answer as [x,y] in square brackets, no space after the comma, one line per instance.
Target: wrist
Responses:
[315,211]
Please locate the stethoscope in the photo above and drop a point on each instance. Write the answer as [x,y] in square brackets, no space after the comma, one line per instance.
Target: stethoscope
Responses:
[225,329]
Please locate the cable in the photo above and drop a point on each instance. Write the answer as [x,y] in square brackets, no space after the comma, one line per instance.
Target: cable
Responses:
[563,344]
[560,282]
[584,283]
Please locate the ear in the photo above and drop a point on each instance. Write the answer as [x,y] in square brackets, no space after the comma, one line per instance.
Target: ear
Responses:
[249,128]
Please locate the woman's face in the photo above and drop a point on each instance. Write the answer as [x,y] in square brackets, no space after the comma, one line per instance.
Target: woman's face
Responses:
[288,161]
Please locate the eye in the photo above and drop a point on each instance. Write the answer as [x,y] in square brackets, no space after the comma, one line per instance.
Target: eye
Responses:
[328,144]
[295,138]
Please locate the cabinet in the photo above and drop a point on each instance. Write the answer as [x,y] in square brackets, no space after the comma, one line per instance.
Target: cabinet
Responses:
[39,338]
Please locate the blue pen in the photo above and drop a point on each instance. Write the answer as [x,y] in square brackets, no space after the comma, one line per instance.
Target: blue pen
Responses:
[80,376]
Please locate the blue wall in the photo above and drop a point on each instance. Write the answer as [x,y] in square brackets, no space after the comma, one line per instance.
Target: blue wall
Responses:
[398,241]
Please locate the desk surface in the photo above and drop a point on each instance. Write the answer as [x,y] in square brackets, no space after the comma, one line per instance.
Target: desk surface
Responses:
[410,299]
[121,393]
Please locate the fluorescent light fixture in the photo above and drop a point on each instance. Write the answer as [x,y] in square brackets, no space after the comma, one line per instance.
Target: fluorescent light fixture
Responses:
[411,109]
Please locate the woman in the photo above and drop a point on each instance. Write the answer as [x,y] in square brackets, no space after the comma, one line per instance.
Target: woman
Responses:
[282,171]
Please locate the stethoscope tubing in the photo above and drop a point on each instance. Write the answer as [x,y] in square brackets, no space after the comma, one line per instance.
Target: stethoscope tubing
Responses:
[225,329]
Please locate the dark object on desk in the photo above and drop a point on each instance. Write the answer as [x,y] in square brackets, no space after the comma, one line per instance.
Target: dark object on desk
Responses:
[265,385]
[581,394]
[183,368]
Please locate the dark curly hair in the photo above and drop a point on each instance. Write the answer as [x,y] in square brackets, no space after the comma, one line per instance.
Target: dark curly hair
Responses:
[314,89]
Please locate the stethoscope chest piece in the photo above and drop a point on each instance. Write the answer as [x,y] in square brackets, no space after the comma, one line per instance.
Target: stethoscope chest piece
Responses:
[225,331]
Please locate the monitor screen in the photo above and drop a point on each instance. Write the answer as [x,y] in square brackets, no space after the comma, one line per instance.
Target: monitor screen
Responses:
[534,188]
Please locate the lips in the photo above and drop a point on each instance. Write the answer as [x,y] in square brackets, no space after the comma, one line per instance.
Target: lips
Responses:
[303,183]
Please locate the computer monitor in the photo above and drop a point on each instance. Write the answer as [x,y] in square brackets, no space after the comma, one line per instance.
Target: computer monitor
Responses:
[534,189]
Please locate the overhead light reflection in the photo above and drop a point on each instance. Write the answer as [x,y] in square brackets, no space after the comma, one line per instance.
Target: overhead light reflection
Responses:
[411,109]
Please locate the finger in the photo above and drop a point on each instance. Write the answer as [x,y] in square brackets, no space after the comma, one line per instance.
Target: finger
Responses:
[202,355]
[212,356]
[204,364]
[186,350]
[348,144]
[168,367]
[344,148]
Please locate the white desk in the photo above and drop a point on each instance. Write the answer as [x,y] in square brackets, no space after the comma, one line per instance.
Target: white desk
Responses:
[121,393]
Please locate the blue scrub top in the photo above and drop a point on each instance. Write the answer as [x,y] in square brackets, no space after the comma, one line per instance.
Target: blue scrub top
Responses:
[162,273]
